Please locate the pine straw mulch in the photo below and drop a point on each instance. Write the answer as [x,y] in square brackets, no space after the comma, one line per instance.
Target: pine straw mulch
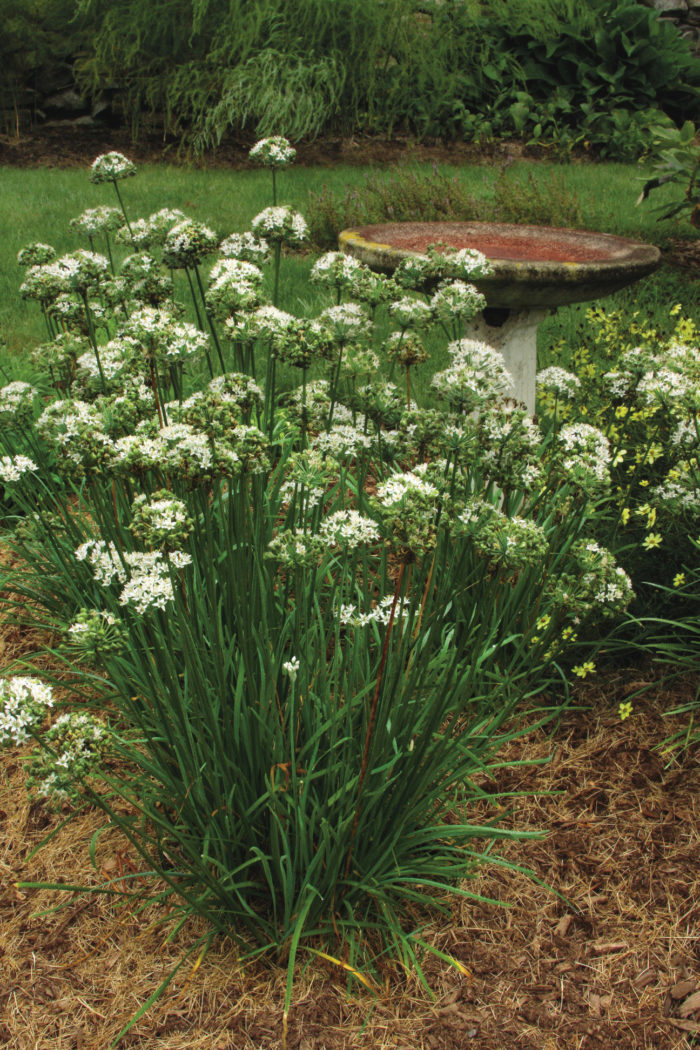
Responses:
[616,966]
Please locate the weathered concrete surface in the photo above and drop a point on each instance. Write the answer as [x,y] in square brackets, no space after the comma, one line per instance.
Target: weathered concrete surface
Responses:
[534,269]
[533,266]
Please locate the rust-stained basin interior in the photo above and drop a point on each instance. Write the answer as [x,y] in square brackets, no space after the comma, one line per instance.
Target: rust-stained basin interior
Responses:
[532,266]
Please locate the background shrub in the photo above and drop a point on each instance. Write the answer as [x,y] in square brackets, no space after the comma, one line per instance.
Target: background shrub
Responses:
[579,75]
[40,40]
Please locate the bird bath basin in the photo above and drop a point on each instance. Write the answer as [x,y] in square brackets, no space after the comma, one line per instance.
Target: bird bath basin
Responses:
[535,269]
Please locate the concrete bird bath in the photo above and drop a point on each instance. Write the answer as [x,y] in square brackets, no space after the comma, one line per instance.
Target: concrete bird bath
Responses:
[535,269]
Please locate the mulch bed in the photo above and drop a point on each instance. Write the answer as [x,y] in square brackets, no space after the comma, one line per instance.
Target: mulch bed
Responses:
[616,964]
[65,145]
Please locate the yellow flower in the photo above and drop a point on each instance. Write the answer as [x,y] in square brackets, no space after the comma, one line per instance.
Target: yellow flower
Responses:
[655,452]
[654,539]
[619,456]
[586,668]
[679,579]
[544,621]
[625,515]
[625,710]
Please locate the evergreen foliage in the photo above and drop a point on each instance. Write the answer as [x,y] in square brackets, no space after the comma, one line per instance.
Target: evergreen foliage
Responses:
[550,70]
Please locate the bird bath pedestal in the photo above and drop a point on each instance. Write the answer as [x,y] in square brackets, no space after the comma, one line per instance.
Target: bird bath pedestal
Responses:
[535,269]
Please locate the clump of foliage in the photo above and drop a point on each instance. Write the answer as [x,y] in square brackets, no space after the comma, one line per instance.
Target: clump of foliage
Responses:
[408,195]
[591,74]
[640,387]
[302,609]
[639,384]
[36,55]
[676,160]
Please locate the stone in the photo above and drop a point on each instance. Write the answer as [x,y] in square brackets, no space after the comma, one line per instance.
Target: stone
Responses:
[65,102]
[669,7]
[533,269]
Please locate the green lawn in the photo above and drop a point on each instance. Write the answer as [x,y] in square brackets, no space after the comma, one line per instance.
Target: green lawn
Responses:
[38,204]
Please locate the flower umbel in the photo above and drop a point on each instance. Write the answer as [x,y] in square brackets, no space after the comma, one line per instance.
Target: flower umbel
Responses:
[109,167]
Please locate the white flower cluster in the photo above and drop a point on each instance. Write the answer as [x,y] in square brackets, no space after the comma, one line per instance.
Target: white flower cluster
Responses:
[76,745]
[98,220]
[267,322]
[82,627]
[109,167]
[350,616]
[219,408]
[16,402]
[148,590]
[76,272]
[188,243]
[438,264]
[411,313]
[294,549]
[77,431]
[234,286]
[467,262]
[349,528]
[478,375]
[686,434]
[94,633]
[104,559]
[602,583]
[345,322]
[336,270]
[666,386]
[510,542]
[13,467]
[162,337]
[115,358]
[281,225]
[273,152]
[559,381]
[619,384]
[146,234]
[161,521]
[509,446]
[405,487]
[23,706]
[589,466]
[246,247]
[37,254]
[236,270]
[177,447]
[456,301]
[405,347]
[680,490]
[291,668]
[144,576]
[360,362]
[163,220]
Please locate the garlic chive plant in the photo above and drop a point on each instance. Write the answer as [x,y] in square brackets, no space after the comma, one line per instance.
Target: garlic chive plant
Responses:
[309,608]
